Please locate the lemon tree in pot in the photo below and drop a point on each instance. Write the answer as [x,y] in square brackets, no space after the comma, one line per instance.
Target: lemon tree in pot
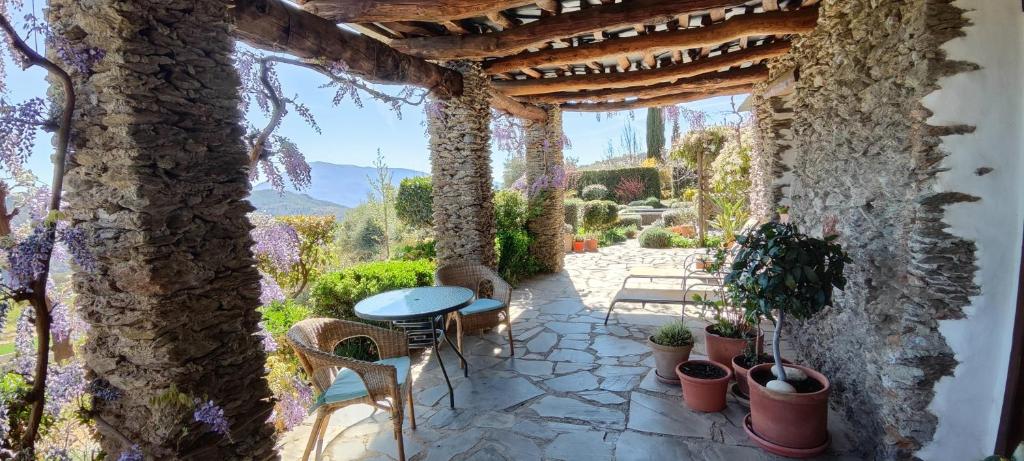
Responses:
[779,273]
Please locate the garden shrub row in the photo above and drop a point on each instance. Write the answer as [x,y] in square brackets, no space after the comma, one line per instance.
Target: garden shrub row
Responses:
[611,179]
[336,293]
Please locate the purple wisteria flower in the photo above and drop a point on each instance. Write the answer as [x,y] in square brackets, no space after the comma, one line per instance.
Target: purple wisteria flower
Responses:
[60,326]
[294,162]
[65,383]
[133,453]
[212,415]
[57,454]
[103,390]
[269,343]
[28,258]
[77,245]
[5,308]
[19,124]
[5,422]
[274,240]
[24,344]
[270,291]
[294,405]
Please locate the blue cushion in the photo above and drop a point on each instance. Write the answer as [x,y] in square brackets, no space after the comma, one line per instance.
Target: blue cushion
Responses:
[481,305]
[347,385]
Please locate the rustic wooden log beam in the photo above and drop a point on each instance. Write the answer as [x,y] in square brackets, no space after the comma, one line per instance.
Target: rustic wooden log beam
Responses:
[779,22]
[274,25]
[504,103]
[655,102]
[641,77]
[406,10]
[566,25]
[701,83]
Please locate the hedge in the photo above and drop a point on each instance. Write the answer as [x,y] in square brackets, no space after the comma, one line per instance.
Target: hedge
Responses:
[336,294]
[610,179]
[599,214]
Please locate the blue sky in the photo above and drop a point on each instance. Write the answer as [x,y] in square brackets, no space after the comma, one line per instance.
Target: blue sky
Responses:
[352,135]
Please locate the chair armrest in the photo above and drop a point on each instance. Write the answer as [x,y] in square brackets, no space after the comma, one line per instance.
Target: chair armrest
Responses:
[502,289]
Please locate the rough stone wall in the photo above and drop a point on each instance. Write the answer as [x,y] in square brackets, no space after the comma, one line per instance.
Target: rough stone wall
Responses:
[460,155]
[861,152]
[157,181]
[544,158]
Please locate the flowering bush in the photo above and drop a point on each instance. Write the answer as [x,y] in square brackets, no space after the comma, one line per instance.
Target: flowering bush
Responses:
[594,192]
[630,189]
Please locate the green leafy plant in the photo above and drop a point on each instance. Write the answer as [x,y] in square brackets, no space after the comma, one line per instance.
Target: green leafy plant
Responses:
[414,204]
[336,293]
[594,192]
[679,216]
[612,236]
[678,241]
[628,220]
[599,214]
[673,334]
[630,231]
[731,216]
[425,249]
[780,270]
[512,211]
[653,202]
[573,208]
[656,237]
[279,316]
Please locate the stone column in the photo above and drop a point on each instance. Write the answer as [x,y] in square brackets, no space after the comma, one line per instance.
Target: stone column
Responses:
[158,183]
[543,165]
[460,154]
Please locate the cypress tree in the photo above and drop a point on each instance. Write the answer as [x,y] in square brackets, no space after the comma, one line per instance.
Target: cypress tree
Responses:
[655,133]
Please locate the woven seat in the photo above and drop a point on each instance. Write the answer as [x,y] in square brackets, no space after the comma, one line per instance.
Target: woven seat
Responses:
[343,381]
[489,309]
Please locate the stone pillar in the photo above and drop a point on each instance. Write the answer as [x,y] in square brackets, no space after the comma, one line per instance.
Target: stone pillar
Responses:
[158,183]
[460,154]
[544,165]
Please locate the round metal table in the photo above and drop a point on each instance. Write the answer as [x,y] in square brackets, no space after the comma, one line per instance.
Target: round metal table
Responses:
[432,303]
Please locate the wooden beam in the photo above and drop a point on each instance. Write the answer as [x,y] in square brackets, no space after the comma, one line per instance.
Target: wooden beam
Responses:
[624,64]
[654,102]
[645,77]
[526,111]
[275,25]
[531,72]
[701,83]
[566,25]
[800,21]
[406,10]
[649,61]
[551,6]
[500,19]
[454,27]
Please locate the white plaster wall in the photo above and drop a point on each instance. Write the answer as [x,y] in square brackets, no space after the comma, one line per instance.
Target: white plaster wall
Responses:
[968,404]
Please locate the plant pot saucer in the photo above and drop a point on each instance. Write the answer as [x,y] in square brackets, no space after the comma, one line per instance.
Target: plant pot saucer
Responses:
[740,397]
[781,450]
[666,380]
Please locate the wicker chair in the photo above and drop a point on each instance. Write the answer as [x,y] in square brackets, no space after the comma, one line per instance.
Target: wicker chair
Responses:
[342,381]
[485,311]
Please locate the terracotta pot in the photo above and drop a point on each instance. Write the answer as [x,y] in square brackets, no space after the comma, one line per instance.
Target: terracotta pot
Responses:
[568,244]
[707,395]
[591,244]
[792,424]
[740,372]
[702,264]
[688,230]
[666,358]
[722,350]
[577,246]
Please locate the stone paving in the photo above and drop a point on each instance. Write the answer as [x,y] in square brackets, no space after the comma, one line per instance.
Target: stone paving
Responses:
[576,390]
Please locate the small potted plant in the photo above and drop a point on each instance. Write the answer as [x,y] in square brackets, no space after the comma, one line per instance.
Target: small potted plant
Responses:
[590,241]
[783,212]
[577,244]
[671,345]
[704,384]
[777,273]
[730,330]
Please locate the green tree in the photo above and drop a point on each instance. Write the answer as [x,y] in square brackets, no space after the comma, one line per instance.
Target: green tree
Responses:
[515,168]
[384,191]
[315,234]
[414,204]
[655,133]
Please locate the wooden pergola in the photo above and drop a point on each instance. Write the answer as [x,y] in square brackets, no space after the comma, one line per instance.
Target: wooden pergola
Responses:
[582,55]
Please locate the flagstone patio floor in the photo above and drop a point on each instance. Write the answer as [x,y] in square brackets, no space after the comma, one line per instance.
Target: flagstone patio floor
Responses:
[576,390]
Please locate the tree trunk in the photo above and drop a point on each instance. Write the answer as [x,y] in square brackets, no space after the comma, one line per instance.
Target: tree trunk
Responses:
[460,154]
[158,181]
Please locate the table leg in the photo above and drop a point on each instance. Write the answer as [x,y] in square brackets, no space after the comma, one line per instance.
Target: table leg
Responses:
[465,365]
[437,352]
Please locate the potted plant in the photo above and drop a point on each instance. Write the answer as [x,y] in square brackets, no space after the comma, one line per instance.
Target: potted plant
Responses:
[577,244]
[783,212]
[704,384]
[752,355]
[671,345]
[590,241]
[730,330]
[777,273]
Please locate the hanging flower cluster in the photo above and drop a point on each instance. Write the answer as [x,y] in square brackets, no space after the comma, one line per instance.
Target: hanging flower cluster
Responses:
[275,241]
[212,415]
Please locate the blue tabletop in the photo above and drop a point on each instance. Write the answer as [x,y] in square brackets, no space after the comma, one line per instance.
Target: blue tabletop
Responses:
[413,303]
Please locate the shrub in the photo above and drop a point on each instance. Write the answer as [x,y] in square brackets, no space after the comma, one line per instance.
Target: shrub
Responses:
[414,204]
[612,236]
[512,210]
[336,293]
[637,203]
[674,334]
[572,212]
[630,189]
[279,316]
[628,220]
[680,216]
[594,192]
[425,249]
[630,231]
[653,202]
[678,241]
[599,214]
[610,179]
[656,237]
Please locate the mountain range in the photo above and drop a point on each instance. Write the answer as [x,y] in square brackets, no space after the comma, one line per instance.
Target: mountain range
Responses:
[334,190]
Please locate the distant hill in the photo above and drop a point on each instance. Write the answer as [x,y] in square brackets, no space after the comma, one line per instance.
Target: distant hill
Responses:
[345,185]
[289,203]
